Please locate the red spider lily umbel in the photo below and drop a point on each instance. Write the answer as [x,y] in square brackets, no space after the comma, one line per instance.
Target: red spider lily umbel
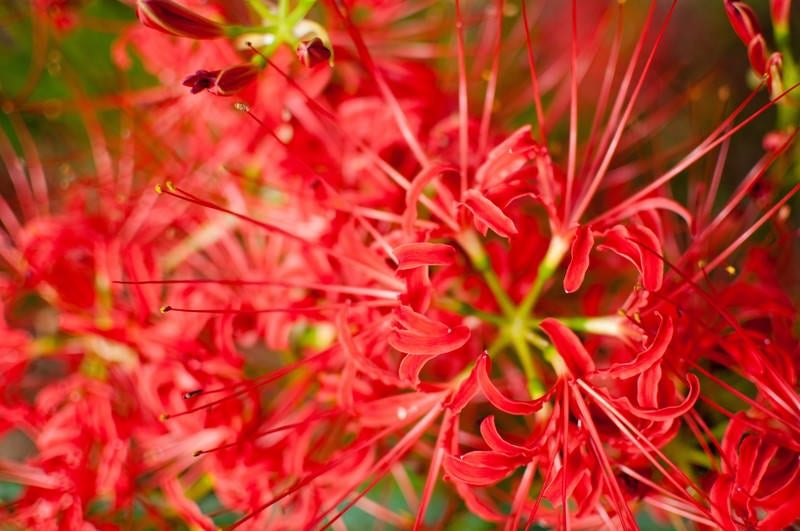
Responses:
[479,270]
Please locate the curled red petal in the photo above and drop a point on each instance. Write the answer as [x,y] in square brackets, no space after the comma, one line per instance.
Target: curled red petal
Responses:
[488,213]
[499,400]
[628,242]
[652,266]
[650,356]
[569,346]
[407,318]
[411,255]
[465,392]
[480,468]
[429,345]
[664,413]
[647,387]
[415,190]
[496,442]
[579,260]
[411,366]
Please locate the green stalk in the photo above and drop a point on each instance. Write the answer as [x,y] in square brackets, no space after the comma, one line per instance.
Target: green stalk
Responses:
[472,245]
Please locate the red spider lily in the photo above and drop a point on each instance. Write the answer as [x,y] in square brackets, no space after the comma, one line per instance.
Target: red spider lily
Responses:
[362,283]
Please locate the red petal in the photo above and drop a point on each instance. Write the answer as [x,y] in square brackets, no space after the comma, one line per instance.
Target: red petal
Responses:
[648,357]
[411,255]
[393,409]
[411,366]
[647,387]
[418,288]
[466,392]
[496,442]
[628,243]
[429,345]
[419,323]
[667,412]
[652,267]
[415,190]
[757,53]
[569,346]
[487,212]
[500,401]
[579,262]
[480,468]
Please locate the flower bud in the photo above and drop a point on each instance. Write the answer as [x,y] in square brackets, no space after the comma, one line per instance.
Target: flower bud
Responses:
[313,52]
[743,20]
[233,79]
[222,82]
[172,18]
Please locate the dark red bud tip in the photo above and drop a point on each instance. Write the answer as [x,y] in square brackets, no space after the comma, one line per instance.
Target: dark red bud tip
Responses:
[235,78]
[743,20]
[172,18]
[313,52]
[201,80]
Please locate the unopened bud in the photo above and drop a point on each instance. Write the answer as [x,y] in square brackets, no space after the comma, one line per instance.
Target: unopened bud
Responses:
[313,52]
[743,20]
[233,79]
[757,53]
[174,19]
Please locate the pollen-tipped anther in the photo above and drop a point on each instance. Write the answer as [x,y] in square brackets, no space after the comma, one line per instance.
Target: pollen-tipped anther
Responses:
[165,308]
[190,394]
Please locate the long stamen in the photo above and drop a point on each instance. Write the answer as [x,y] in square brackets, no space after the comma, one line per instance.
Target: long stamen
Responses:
[463,120]
[537,96]
[491,84]
[611,149]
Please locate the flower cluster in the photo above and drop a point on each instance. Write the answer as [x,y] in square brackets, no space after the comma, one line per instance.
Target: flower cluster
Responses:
[471,270]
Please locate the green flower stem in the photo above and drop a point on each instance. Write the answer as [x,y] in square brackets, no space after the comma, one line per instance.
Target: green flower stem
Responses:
[463,308]
[555,253]
[789,106]
[299,12]
[262,10]
[518,332]
[472,245]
